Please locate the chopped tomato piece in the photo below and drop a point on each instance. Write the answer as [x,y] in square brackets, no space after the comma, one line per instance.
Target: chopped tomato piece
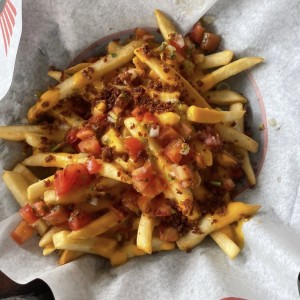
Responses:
[28,214]
[177,41]
[22,233]
[78,219]
[90,145]
[58,215]
[93,166]
[146,181]
[149,118]
[210,42]
[40,208]
[166,135]
[73,175]
[197,33]
[173,149]
[85,133]
[134,147]
[138,113]
[71,136]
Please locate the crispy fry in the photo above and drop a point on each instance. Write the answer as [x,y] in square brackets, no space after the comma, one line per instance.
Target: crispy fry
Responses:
[165,25]
[36,190]
[217,59]
[18,133]
[237,138]
[17,184]
[26,173]
[96,227]
[223,97]
[229,247]
[68,256]
[144,235]
[246,164]
[98,245]
[65,115]
[227,71]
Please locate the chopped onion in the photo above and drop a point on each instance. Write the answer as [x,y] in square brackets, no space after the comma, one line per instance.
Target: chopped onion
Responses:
[133,73]
[94,201]
[111,117]
[154,131]
[179,40]
[185,149]
[172,100]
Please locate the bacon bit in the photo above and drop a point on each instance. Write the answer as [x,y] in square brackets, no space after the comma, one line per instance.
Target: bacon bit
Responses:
[49,158]
[178,192]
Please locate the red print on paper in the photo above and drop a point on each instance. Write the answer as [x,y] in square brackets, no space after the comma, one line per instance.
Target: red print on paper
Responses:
[7,22]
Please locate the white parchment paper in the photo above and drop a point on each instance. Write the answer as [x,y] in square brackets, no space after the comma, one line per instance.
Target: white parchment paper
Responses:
[56,31]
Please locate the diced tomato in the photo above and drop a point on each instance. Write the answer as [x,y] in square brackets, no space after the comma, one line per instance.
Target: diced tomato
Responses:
[28,214]
[78,219]
[210,42]
[93,166]
[90,145]
[73,175]
[149,118]
[197,33]
[177,41]
[166,135]
[168,234]
[85,133]
[146,181]
[71,136]
[138,113]
[58,215]
[97,121]
[40,208]
[172,151]
[134,147]
[22,233]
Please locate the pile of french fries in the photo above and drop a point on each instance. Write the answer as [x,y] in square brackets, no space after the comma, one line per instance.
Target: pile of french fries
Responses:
[188,86]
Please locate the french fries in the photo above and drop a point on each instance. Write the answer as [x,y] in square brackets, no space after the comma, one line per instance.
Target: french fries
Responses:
[138,147]
[217,59]
[227,71]
[224,97]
